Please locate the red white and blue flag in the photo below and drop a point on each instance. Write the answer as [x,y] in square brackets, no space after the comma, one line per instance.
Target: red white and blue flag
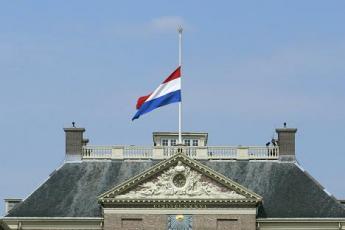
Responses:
[168,92]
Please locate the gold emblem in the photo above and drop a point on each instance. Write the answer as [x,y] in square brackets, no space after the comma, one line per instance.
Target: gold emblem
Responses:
[179,218]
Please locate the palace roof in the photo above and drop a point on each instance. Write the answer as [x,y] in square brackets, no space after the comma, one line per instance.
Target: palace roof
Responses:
[287,190]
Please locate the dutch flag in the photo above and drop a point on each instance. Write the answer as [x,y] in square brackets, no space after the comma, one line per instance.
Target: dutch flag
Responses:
[168,92]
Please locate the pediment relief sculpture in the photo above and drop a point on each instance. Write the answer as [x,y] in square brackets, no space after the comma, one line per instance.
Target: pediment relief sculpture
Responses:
[181,182]
[179,179]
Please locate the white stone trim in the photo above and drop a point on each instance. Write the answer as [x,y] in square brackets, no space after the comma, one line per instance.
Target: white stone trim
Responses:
[54,218]
[245,211]
[53,223]
[301,223]
[296,220]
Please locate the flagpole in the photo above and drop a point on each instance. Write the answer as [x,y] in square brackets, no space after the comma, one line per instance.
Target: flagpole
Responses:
[180,103]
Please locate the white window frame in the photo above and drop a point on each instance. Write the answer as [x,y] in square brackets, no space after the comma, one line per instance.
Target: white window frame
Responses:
[173,142]
[185,142]
[195,141]
[163,142]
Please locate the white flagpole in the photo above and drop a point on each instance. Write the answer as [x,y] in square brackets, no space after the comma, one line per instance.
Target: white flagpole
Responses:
[180,103]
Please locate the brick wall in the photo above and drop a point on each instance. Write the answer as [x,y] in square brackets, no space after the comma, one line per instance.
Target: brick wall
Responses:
[200,222]
[124,221]
[224,222]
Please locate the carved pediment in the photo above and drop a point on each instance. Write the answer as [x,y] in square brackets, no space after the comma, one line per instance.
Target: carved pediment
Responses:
[180,182]
[179,179]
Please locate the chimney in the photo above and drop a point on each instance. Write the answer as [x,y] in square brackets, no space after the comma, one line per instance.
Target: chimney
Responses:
[286,141]
[10,204]
[74,143]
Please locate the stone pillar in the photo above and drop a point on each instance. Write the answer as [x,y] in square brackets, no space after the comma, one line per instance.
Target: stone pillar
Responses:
[201,153]
[286,142]
[158,153]
[74,143]
[242,153]
[117,152]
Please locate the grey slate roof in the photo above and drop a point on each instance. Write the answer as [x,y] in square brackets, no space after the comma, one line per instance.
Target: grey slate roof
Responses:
[287,191]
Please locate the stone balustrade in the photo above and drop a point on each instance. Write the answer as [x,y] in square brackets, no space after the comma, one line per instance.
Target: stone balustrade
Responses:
[163,152]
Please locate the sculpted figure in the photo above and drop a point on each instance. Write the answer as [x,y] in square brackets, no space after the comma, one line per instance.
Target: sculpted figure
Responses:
[191,184]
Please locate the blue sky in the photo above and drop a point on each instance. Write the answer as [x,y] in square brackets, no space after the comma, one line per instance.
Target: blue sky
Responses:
[248,66]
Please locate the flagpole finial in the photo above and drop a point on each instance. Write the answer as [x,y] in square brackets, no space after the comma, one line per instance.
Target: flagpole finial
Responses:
[180,29]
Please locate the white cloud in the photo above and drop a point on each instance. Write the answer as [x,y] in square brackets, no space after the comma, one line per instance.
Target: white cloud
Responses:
[167,23]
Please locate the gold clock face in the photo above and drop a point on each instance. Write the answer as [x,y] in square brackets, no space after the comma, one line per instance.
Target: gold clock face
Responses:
[179,180]
[179,218]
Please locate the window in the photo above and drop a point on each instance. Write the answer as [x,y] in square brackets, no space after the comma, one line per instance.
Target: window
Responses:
[187,142]
[165,142]
[172,142]
[195,142]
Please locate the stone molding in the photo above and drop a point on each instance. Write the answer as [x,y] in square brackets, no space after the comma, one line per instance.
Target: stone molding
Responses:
[233,211]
